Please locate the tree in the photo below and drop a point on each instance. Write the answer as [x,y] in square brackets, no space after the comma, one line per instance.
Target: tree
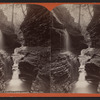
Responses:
[79,14]
[89,10]
[12,14]
[23,10]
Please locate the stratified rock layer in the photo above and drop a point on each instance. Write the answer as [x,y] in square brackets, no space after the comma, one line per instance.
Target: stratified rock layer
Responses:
[36,31]
[93,64]
[65,36]
[5,68]
[44,36]
[94,27]
[64,71]
[34,65]
[91,60]
[36,26]
[1,73]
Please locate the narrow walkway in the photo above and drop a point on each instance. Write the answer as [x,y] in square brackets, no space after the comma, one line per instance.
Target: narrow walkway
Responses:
[16,84]
[82,86]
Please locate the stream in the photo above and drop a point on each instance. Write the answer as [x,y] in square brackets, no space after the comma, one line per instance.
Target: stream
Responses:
[82,85]
[19,85]
[16,84]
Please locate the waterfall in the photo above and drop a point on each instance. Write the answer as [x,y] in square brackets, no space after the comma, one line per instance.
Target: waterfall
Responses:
[16,58]
[67,42]
[1,40]
[67,45]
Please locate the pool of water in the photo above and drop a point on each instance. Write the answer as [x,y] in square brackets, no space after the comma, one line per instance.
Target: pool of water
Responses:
[82,85]
[16,84]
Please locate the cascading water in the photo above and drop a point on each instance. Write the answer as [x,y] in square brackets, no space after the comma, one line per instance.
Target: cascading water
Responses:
[16,84]
[67,41]
[1,40]
[82,85]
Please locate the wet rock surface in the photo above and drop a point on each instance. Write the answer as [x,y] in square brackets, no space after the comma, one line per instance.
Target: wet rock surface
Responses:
[64,72]
[91,60]
[93,27]
[1,73]
[34,66]
[92,66]
[48,61]
[88,80]
[36,62]
[5,68]
[36,28]
[42,39]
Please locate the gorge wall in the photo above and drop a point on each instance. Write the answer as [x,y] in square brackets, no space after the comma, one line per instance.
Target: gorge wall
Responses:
[48,58]
[92,65]
[45,41]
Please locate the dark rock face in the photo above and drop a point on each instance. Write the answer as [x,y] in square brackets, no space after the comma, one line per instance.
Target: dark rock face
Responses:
[94,27]
[64,71]
[35,66]
[36,31]
[7,29]
[5,68]
[92,64]
[57,40]
[36,26]
[64,67]
[28,64]
[33,60]
[63,20]
[93,72]
[1,74]
[44,37]
[92,67]
[43,79]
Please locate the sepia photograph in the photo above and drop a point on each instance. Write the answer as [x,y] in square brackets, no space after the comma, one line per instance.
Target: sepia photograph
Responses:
[44,51]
